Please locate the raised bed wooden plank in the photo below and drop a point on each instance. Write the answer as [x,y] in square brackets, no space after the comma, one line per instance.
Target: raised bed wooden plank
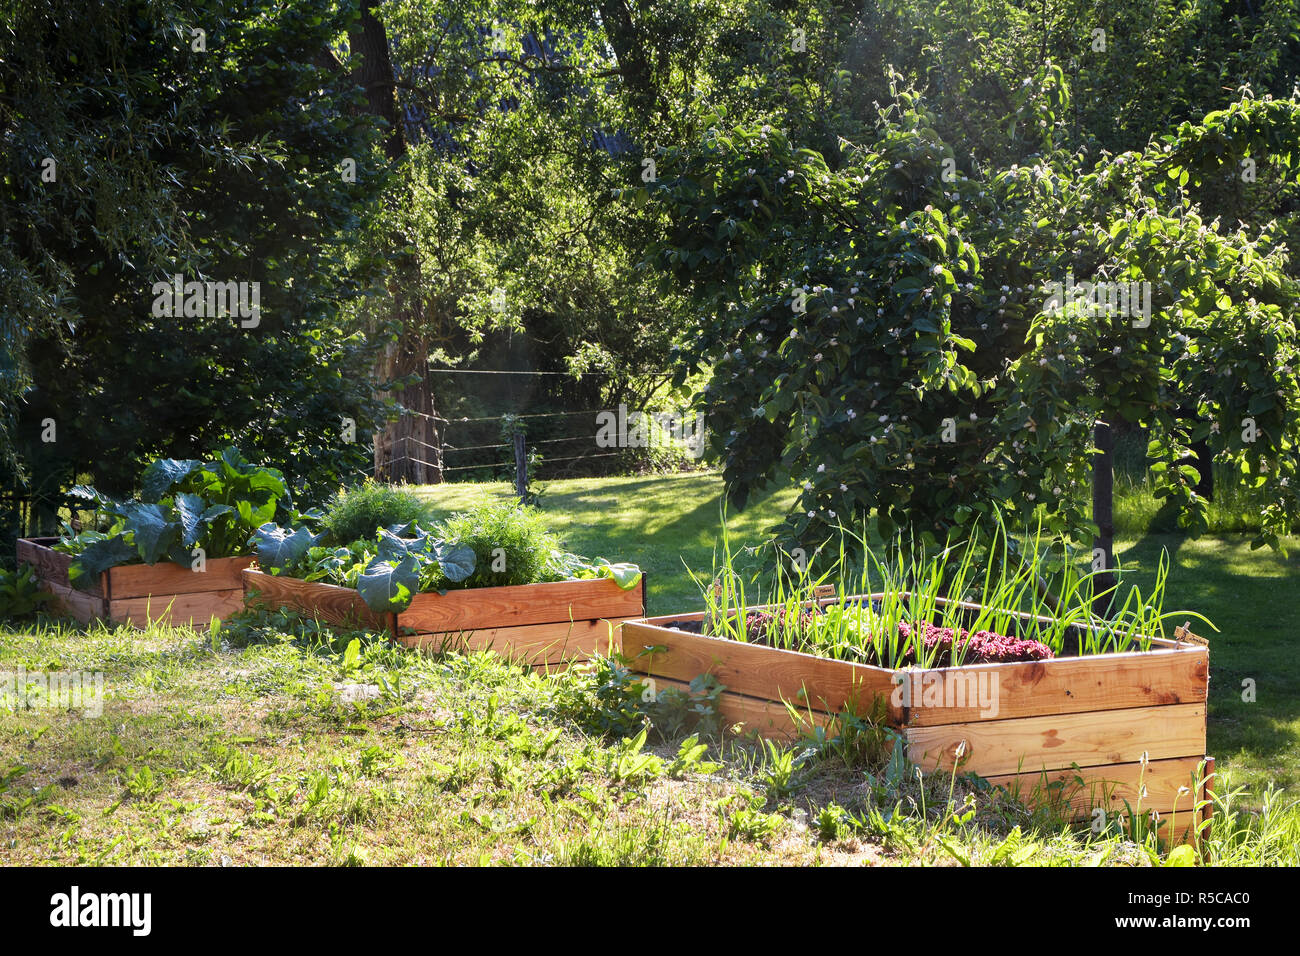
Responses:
[1065,685]
[342,607]
[51,566]
[135,593]
[196,607]
[743,715]
[532,644]
[1080,790]
[75,604]
[1171,674]
[755,670]
[143,580]
[1031,744]
[518,605]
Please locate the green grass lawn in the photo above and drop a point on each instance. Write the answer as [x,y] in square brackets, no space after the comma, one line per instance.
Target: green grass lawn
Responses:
[664,523]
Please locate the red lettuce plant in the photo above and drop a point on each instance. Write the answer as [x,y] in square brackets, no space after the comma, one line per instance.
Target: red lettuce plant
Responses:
[981,647]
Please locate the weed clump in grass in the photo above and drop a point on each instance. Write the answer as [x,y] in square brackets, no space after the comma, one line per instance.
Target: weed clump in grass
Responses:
[605,697]
[356,513]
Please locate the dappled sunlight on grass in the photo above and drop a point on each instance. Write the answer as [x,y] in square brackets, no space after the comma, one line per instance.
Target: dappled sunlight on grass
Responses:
[664,523]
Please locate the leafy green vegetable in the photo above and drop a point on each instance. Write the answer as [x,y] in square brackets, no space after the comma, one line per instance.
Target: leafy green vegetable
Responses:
[389,568]
[624,574]
[565,564]
[153,533]
[457,562]
[185,504]
[387,571]
[277,548]
[386,586]
[96,558]
[190,511]
[511,543]
[164,473]
[355,513]
[20,593]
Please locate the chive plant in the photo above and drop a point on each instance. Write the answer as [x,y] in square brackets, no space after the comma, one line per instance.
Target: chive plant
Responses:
[989,585]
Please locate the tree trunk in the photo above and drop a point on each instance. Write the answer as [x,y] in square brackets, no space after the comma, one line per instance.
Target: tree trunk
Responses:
[1204,465]
[629,51]
[1103,514]
[377,78]
[410,448]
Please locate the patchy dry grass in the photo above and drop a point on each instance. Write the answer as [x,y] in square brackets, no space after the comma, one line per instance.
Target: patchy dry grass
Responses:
[280,743]
[278,753]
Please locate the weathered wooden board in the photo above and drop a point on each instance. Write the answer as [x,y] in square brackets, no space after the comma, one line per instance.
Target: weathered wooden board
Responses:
[342,607]
[1060,686]
[756,670]
[144,580]
[566,628]
[75,604]
[138,593]
[518,605]
[1065,685]
[1082,789]
[195,607]
[1030,744]
[1089,718]
[51,566]
[1168,675]
[533,644]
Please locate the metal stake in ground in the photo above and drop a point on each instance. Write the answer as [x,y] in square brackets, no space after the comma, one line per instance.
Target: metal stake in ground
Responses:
[521,468]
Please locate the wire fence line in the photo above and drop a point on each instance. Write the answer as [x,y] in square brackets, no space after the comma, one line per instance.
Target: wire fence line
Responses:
[479,371]
[497,418]
[444,448]
[401,452]
[535,441]
[428,464]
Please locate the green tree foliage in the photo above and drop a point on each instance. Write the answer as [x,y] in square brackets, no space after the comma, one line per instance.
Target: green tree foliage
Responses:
[877,328]
[217,155]
[503,210]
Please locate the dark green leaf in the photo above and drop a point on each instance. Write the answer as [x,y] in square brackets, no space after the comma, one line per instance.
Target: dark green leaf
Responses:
[164,474]
[153,531]
[457,562]
[277,548]
[98,557]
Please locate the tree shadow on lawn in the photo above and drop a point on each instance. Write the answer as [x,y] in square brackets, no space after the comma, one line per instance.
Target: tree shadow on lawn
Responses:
[687,531]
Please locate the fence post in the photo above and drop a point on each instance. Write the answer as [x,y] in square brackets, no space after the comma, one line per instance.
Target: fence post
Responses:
[521,468]
[1103,515]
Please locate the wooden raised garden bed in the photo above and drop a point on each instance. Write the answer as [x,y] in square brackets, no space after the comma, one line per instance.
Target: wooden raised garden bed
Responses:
[536,624]
[139,593]
[1079,732]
